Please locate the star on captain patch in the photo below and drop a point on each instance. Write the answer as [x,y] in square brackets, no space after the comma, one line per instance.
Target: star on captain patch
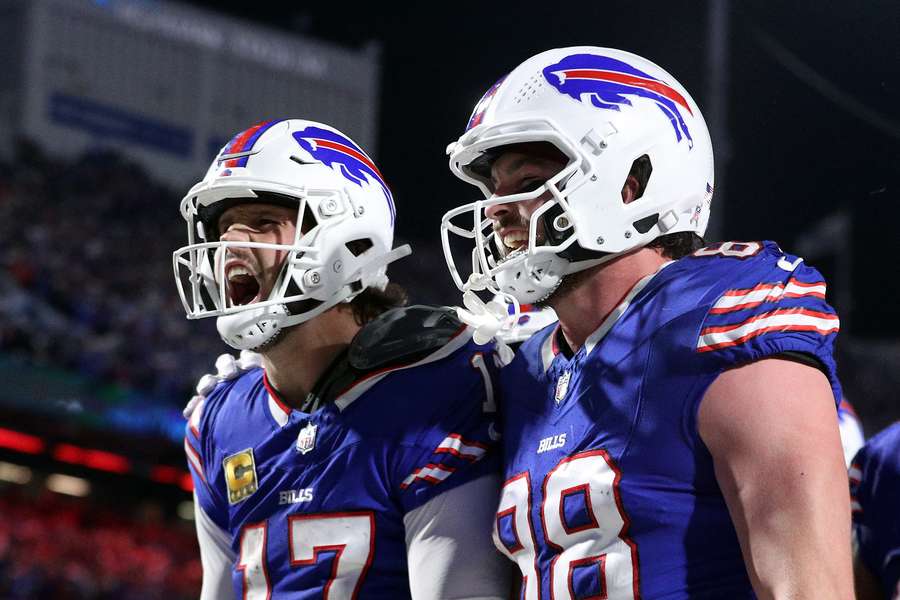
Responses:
[306,439]
[562,386]
[240,475]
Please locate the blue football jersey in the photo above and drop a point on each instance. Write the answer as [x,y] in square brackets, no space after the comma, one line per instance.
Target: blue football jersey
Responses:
[314,503]
[875,497]
[610,492]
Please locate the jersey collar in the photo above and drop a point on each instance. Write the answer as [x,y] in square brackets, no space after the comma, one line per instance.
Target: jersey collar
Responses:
[550,346]
[592,340]
[279,410]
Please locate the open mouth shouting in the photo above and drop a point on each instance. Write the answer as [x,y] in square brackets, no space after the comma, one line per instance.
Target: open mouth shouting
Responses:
[243,287]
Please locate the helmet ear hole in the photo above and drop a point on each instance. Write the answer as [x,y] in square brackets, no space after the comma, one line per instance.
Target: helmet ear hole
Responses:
[644,225]
[357,247]
[641,170]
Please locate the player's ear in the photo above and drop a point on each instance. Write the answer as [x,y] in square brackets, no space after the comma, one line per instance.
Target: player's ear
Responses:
[630,189]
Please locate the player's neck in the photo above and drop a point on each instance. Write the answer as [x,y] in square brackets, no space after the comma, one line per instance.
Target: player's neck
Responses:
[584,306]
[296,362]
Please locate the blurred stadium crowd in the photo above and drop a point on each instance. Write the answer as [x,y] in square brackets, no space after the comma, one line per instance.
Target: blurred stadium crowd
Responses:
[53,547]
[87,284]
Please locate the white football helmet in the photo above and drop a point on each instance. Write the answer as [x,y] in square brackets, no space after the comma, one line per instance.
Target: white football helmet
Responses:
[345,228]
[603,109]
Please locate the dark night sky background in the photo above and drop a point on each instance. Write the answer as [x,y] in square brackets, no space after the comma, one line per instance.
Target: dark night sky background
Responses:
[795,155]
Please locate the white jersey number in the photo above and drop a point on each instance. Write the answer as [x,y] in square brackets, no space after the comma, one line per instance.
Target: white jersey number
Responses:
[731,249]
[348,535]
[583,524]
[490,404]
[253,564]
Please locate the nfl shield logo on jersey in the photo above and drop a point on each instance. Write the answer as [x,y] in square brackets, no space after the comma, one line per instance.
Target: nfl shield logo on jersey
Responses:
[306,439]
[562,386]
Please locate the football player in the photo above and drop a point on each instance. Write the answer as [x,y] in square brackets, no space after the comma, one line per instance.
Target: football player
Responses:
[355,458]
[875,495]
[675,435]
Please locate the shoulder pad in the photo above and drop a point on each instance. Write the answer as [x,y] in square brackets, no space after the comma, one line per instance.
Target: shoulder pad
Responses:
[403,335]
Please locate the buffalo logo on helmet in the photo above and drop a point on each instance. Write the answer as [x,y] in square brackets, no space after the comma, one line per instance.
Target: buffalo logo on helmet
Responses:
[607,81]
[341,154]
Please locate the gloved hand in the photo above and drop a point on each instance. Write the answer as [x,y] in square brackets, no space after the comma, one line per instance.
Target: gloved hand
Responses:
[227,367]
[489,320]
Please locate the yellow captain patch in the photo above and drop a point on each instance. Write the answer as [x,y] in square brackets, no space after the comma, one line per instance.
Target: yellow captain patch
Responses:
[240,475]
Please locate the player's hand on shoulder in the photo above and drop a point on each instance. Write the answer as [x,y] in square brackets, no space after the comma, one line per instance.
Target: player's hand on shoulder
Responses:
[228,367]
[486,318]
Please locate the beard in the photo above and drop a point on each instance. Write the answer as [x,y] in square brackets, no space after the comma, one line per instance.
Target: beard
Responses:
[567,285]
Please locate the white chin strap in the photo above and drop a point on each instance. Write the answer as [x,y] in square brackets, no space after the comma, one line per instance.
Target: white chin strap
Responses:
[251,329]
[492,320]
[533,279]
[538,276]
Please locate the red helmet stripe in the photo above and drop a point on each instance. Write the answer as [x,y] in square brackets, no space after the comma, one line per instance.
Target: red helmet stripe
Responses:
[351,151]
[648,84]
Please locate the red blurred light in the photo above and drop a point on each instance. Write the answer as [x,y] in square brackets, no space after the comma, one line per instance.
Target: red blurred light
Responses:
[106,461]
[94,459]
[67,453]
[166,474]
[20,442]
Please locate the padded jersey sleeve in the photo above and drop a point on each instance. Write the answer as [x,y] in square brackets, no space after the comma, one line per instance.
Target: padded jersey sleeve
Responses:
[875,498]
[199,449]
[768,304]
[457,445]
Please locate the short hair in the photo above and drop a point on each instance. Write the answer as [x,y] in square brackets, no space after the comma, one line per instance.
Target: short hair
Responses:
[678,245]
[372,302]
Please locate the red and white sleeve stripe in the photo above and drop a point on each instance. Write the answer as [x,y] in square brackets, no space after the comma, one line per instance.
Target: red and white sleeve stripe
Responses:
[457,445]
[734,300]
[855,474]
[194,459]
[791,319]
[195,418]
[431,473]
